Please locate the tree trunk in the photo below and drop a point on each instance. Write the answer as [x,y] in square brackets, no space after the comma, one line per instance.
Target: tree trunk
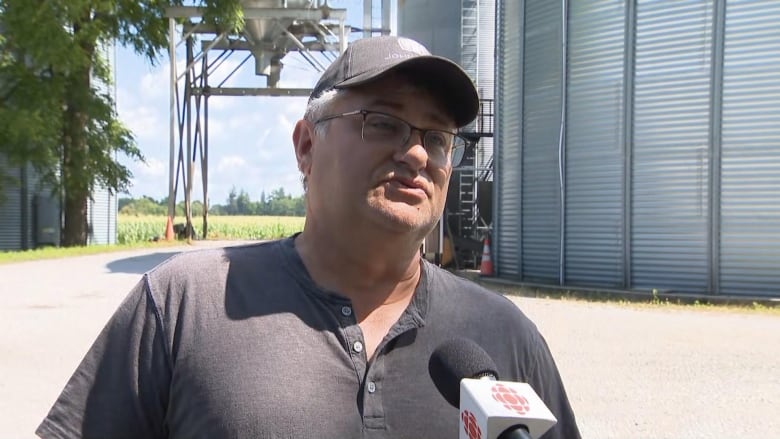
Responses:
[74,173]
[75,231]
[75,176]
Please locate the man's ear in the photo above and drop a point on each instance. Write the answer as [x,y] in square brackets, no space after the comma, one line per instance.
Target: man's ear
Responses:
[302,137]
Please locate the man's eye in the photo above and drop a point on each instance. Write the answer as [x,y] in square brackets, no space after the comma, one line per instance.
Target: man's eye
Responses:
[436,139]
[381,123]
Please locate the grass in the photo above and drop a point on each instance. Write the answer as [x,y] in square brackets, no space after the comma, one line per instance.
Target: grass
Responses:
[9,257]
[135,232]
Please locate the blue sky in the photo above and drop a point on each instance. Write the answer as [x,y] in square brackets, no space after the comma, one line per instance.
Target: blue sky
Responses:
[250,144]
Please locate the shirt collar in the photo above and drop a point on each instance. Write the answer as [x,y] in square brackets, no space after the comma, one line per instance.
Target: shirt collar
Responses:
[414,315]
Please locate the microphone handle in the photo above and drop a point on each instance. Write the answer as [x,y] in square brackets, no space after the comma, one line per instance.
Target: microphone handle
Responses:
[515,432]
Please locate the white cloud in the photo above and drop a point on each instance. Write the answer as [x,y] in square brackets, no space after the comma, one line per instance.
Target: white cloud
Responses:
[218,129]
[231,165]
[156,84]
[146,123]
[152,168]
[298,73]
[262,138]
[286,123]
[149,179]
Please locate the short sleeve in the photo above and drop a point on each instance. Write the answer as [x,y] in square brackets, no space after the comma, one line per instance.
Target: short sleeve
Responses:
[120,389]
[546,380]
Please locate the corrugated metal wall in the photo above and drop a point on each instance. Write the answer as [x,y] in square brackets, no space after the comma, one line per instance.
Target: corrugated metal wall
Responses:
[19,219]
[670,214]
[469,36]
[672,146]
[595,141]
[30,180]
[20,214]
[11,208]
[486,68]
[750,157]
[102,208]
[102,211]
[508,164]
[434,23]
[541,125]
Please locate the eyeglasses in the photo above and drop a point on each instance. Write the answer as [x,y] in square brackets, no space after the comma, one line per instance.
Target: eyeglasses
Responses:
[381,128]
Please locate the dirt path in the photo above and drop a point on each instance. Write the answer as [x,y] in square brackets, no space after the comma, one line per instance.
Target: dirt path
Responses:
[631,372]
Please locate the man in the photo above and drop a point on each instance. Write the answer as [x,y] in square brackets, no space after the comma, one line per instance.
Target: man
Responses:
[326,334]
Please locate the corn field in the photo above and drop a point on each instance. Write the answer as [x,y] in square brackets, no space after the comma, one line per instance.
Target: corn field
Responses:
[132,229]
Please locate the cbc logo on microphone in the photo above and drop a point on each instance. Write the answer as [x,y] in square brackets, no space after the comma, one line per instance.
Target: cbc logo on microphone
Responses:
[510,399]
[470,425]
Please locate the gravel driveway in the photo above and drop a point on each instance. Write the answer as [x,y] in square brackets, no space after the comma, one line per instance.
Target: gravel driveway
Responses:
[631,372]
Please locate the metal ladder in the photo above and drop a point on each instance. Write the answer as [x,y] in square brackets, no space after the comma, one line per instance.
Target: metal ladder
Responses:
[469,36]
[467,199]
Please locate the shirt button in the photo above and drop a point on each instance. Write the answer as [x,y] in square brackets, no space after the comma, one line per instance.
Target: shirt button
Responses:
[357,347]
[371,387]
[346,311]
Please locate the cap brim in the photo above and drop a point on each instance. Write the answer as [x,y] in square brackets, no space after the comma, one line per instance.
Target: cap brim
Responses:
[448,82]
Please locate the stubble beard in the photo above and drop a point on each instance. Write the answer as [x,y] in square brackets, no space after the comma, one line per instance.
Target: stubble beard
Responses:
[398,216]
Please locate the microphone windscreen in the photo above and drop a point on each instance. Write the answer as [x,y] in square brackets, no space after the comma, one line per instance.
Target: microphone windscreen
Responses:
[454,360]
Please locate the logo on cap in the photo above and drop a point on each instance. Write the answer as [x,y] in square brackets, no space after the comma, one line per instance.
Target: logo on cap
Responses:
[412,46]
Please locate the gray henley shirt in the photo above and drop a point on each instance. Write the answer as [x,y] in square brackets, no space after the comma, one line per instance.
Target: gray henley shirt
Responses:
[240,343]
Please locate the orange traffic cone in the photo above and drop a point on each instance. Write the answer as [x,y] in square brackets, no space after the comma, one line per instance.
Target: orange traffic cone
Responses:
[169,230]
[486,267]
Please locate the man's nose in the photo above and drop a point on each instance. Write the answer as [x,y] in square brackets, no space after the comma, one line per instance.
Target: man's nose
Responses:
[413,152]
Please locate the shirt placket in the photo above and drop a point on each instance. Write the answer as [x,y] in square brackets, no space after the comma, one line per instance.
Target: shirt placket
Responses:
[353,338]
[369,375]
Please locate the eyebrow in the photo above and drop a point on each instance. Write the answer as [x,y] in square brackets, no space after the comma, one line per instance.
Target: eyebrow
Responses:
[434,116]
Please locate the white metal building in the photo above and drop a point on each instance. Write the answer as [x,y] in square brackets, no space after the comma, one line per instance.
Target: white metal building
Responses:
[638,145]
[31,216]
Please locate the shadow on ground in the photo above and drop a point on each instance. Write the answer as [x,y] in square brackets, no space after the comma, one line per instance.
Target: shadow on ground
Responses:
[138,264]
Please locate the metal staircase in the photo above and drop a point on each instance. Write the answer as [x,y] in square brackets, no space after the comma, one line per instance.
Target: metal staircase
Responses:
[468,200]
[469,35]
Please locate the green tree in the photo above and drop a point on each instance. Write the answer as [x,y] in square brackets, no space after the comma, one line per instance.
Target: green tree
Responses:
[144,206]
[196,206]
[278,203]
[231,208]
[55,112]
[244,204]
[124,201]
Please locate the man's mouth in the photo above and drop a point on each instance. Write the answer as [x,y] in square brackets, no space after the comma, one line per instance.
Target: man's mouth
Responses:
[409,185]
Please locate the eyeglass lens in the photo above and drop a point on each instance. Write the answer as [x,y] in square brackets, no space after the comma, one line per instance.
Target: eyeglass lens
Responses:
[440,145]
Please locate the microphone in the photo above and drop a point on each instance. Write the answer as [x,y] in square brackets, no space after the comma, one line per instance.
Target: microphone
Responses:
[466,377]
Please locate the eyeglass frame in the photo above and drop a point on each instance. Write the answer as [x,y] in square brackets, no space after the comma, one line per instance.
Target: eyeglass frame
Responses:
[423,131]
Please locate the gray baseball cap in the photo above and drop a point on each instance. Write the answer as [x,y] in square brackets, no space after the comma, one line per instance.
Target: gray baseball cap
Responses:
[368,59]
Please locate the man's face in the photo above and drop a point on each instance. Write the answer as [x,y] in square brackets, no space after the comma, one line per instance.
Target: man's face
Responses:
[396,187]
